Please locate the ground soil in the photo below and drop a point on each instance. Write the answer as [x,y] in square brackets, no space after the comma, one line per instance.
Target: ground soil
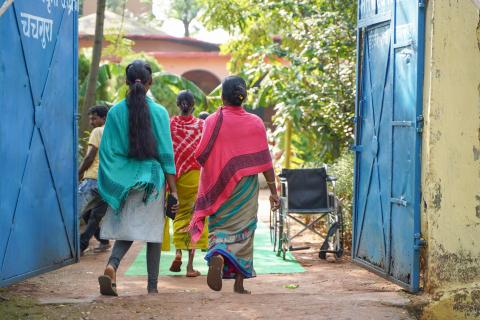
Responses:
[340,290]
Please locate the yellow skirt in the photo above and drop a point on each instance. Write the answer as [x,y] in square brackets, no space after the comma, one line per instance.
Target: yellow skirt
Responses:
[187,187]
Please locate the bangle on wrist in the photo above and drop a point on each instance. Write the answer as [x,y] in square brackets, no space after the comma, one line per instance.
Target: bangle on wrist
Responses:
[271,182]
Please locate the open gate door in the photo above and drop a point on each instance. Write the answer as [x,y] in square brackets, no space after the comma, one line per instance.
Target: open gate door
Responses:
[386,228]
[38,72]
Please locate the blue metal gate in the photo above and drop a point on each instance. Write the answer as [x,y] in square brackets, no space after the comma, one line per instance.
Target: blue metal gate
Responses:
[388,138]
[38,72]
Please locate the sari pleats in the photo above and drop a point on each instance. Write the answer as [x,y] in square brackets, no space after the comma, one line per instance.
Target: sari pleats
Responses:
[232,228]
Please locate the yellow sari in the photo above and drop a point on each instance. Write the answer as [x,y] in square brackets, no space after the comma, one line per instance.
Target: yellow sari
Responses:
[187,187]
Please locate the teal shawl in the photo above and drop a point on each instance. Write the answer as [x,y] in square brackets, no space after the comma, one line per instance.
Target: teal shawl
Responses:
[117,173]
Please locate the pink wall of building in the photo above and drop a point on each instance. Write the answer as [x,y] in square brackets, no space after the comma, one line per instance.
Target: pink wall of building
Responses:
[177,55]
[180,63]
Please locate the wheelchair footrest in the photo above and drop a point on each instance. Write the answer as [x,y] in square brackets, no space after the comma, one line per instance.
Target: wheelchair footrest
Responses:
[298,248]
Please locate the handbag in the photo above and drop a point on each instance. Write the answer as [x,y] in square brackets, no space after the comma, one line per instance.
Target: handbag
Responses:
[171,201]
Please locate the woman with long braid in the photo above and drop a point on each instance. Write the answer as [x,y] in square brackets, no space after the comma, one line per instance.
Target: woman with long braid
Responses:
[136,158]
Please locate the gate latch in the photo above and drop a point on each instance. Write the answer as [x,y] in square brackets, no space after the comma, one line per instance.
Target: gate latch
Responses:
[399,201]
[419,242]
[419,123]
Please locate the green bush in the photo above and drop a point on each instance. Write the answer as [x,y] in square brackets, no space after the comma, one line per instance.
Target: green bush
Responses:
[342,168]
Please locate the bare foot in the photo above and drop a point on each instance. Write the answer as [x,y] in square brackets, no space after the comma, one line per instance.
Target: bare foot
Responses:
[110,271]
[193,274]
[240,289]
[238,286]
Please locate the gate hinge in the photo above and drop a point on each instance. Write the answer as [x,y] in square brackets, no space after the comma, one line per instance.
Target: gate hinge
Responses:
[357,148]
[419,242]
[421,3]
[419,124]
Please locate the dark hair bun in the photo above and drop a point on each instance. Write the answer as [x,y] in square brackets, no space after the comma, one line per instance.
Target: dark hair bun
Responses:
[185,100]
[234,90]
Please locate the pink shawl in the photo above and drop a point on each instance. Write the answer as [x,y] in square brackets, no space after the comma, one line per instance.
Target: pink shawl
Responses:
[233,145]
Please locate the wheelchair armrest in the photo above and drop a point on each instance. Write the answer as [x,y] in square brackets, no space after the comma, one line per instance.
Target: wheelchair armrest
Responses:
[331,178]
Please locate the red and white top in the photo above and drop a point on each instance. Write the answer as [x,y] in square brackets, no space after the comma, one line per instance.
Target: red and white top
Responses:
[186,133]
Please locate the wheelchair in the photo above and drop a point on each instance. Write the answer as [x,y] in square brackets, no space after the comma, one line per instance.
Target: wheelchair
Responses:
[306,192]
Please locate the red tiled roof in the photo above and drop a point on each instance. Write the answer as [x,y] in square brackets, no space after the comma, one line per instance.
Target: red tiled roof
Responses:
[188,54]
[185,40]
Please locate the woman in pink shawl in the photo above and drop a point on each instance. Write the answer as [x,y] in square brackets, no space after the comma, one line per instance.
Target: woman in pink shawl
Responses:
[232,152]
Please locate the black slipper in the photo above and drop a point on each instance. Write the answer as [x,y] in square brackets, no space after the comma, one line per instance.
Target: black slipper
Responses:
[215,272]
[107,287]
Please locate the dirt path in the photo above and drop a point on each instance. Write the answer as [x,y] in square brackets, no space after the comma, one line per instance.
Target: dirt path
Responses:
[326,291]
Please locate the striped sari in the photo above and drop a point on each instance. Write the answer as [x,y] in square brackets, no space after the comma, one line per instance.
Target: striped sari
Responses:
[232,228]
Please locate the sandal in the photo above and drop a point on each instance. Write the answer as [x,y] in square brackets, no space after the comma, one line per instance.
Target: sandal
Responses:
[193,274]
[108,287]
[176,264]
[215,273]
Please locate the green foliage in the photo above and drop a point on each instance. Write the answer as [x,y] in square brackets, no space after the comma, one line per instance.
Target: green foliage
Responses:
[214,99]
[111,83]
[343,170]
[83,69]
[166,87]
[116,5]
[299,56]
[118,44]
[184,10]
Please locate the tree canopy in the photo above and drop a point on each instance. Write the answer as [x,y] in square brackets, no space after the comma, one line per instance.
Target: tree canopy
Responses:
[185,11]
[299,56]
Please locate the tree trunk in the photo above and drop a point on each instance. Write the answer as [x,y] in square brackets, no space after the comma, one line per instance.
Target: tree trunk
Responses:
[90,95]
[186,25]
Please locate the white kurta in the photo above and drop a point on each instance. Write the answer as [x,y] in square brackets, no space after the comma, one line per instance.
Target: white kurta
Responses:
[137,220]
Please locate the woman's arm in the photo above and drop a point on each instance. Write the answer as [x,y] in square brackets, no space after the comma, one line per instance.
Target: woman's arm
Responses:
[172,185]
[274,199]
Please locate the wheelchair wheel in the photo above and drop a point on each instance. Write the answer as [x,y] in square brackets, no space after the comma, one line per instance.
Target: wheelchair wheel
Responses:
[333,242]
[283,242]
[340,232]
[273,229]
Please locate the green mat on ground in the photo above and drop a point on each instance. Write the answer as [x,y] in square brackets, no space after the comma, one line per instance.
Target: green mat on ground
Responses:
[265,261]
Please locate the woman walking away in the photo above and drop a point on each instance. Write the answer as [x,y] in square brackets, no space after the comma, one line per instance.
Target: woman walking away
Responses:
[136,157]
[186,133]
[232,152]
